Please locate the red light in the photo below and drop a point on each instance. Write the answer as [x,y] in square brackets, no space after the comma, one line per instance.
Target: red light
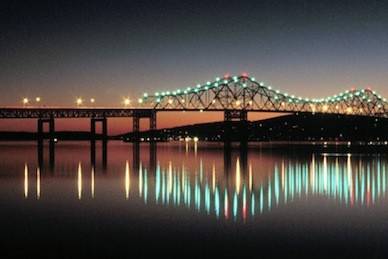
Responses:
[227,75]
[244,74]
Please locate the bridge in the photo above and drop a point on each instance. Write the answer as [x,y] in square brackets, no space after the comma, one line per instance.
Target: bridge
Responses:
[235,96]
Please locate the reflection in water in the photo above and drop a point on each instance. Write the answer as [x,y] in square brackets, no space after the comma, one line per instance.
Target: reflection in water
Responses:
[37,183]
[92,182]
[79,181]
[25,181]
[127,180]
[247,194]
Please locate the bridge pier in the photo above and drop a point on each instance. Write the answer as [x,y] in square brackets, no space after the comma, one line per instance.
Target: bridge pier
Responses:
[104,138]
[151,115]
[229,117]
[41,136]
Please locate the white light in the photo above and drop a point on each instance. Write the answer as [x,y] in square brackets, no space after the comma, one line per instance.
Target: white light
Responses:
[79,101]
[140,100]
[25,100]
[37,99]
[127,101]
[92,100]
[195,139]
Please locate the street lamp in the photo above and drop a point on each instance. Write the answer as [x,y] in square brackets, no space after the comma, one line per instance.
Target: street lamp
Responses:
[127,101]
[25,101]
[79,101]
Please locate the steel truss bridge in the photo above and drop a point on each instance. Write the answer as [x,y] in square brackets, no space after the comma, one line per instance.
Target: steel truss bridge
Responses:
[235,96]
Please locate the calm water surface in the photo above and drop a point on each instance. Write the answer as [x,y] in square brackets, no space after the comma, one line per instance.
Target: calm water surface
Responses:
[185,199]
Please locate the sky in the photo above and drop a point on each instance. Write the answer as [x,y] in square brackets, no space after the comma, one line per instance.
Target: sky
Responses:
[60,50]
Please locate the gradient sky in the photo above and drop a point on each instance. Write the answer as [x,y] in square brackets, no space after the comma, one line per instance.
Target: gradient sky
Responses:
[109,49]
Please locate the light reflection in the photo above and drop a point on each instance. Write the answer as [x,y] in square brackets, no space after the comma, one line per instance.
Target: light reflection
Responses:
[92,183]
[38,183]
[79,181]
[25,181]
[345,179]
[127,180]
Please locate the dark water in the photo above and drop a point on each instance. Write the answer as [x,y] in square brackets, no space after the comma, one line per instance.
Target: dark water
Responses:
[193,200]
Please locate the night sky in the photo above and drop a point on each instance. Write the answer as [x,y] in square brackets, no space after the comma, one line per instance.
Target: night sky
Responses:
[110,49]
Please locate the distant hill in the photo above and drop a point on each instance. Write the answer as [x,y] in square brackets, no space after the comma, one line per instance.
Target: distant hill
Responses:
[302,127]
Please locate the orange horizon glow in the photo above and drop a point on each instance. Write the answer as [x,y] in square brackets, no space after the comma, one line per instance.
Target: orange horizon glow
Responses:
[123,125]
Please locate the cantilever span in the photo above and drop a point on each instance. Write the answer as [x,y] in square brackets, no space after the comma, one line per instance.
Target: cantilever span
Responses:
[244,93]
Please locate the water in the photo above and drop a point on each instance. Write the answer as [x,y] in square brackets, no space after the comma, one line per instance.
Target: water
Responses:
[259,201]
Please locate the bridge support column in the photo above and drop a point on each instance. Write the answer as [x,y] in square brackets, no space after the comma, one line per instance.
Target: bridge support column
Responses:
[235,115]
[136,128]
[93,138]
[41,136]
[153,120]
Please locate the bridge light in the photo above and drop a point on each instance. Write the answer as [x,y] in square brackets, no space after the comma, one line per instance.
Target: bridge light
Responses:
[214,101]
[145,95]
[195,139]
[127,101]
[170,101]
[325,108]
[79,101]
[156,94]
[37,99]
[244,74]
[238,102]
[92,100]
[158,100]
[140,100]
[253,79]
[349,110]
[183,101]
[250,102]
[217,79]
[25,101]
